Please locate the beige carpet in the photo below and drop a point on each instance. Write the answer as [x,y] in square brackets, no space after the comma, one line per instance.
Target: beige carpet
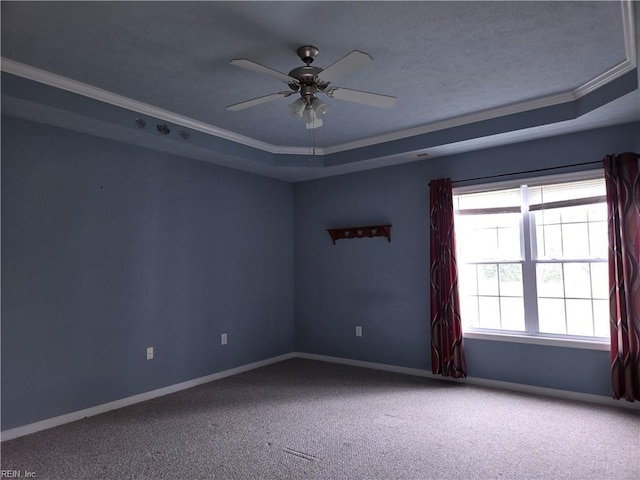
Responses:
[302,419]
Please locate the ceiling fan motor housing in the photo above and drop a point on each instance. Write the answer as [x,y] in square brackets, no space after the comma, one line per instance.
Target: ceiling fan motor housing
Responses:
[305,75]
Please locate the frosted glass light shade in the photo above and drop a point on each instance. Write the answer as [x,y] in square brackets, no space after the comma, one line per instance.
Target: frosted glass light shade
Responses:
[320,108]
[297,108]
[311,115]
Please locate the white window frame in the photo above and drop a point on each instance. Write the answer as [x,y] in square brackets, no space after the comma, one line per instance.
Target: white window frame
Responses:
[528,269]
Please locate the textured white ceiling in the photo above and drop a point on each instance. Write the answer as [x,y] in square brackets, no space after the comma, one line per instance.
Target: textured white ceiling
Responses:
[440,59]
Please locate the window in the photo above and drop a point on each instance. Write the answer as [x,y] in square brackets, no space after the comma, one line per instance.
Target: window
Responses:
[532,257]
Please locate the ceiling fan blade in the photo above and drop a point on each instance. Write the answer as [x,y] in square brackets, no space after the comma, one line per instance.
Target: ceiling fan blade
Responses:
[358,96]
[256,67]
[347,65]
[257,101]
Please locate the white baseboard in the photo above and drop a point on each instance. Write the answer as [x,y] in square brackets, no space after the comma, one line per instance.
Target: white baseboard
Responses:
[124,402]
[482,382]
[142,397]
[418,372]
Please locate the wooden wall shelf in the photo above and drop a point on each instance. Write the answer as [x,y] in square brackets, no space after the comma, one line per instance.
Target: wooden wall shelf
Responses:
[360,232]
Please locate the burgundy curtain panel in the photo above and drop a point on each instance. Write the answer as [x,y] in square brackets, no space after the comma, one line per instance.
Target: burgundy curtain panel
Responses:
[623,205]
[447,354]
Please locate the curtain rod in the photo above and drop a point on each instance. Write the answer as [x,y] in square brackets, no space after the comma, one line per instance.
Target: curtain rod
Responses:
[525,171]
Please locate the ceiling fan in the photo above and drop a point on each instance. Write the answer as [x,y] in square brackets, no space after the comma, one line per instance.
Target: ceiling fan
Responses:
[309,81]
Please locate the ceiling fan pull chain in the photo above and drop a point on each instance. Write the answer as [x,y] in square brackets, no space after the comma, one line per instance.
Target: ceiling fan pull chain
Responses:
[312,144]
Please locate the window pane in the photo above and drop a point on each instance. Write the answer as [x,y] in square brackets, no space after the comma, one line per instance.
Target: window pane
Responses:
[488,237]
[573,214]
[469,311]
[489,312]
[549,241]
[509,243]
[600,280]
[467,280]
[547,216]
[510,279]
[488,279]
[579,317]
[571,232]
[598,240]
[551,317]
[506,220]
[577,280]
[512,310]
[575,240]
[550,280]
[486,244]
[601,318]
[597,212]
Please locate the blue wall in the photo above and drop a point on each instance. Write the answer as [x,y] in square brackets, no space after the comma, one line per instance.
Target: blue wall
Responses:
[109,248]
[385,286]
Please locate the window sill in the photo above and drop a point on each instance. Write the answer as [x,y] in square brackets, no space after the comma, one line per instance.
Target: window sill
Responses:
[586,344]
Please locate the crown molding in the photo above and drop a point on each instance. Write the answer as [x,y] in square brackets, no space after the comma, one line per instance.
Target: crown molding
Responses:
[80,88]
[457,121]
[58,81]
[603,79]
[629,31]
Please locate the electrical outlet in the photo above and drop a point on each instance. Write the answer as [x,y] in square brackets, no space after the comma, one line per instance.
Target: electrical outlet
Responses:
[149,353]
[358,331]
[223,339]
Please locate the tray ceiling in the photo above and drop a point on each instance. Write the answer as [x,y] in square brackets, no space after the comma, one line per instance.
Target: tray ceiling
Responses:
[449,64]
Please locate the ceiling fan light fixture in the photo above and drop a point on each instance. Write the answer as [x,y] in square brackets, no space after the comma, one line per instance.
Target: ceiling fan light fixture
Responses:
[297,108]
[313,124]
[310,116]
[309,113]
[320,108]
